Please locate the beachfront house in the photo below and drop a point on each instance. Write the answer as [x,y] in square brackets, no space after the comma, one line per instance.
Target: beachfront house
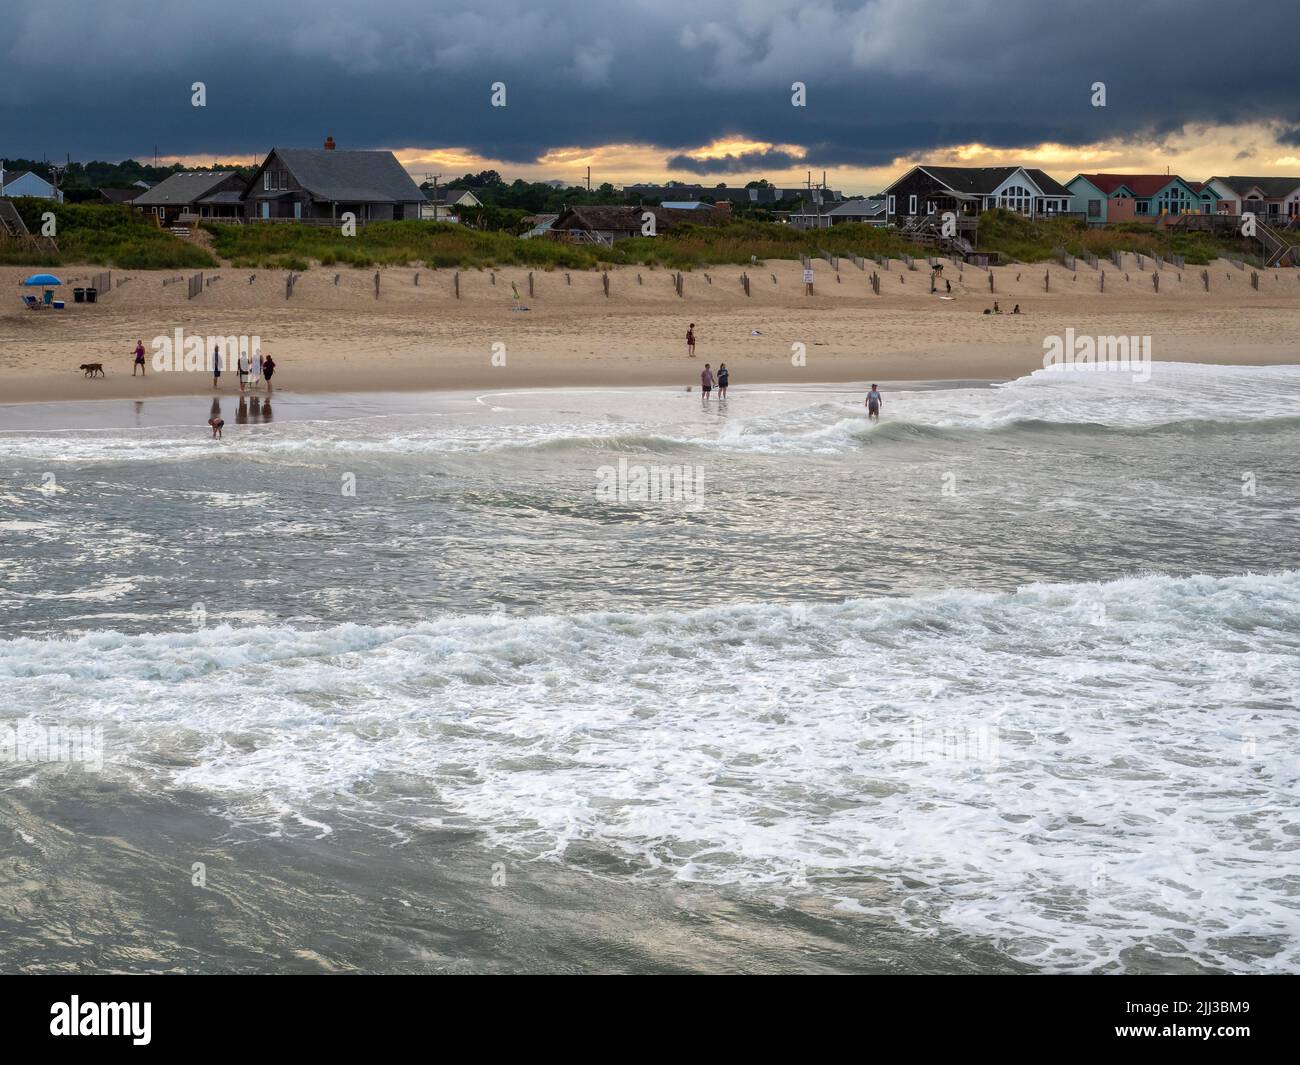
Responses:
[1275,200]
[1109,198]
[968,190]
[26,183]
[539,225]
[605,225]
[868,210]
[323,184]
[443,205]
[192,195]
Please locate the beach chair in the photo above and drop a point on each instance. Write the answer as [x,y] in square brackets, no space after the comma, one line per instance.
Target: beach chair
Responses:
[32,301]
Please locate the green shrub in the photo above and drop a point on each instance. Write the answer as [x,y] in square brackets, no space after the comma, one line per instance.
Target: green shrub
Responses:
[103,234]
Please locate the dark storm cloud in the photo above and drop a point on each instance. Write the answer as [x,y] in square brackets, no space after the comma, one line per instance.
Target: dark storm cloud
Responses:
[741,163]
[884,77]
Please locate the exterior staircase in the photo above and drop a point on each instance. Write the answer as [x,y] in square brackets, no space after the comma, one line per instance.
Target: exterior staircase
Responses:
[927,229]
[12,227]
[1277,245]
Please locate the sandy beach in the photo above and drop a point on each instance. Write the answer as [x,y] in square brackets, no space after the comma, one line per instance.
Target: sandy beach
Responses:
[334,335]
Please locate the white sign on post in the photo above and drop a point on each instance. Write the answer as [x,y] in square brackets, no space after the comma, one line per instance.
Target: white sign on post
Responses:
[807,277]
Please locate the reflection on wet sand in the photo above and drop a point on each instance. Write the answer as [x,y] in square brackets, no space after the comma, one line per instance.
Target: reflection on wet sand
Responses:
[252,410]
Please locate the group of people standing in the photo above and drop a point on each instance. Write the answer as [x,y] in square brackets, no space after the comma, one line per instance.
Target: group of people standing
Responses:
[259,368]
[707,380]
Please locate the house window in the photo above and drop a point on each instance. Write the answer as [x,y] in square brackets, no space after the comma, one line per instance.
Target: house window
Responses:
[1174,201]
[929,207]
[911,204]
[890,207]
[1016,198]
[1094,208]
[266,181]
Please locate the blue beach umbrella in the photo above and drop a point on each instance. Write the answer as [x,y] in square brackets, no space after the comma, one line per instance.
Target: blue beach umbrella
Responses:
[43,280]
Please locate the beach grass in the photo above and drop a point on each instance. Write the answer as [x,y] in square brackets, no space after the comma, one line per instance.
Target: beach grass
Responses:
[1027,240]
[443,244]
[104,234]
[117,236]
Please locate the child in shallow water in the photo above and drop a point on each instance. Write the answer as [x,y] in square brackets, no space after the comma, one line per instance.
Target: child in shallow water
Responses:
[216,424]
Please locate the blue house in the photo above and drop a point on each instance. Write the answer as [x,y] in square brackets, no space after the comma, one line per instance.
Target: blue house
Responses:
[1109,198]
[26,183]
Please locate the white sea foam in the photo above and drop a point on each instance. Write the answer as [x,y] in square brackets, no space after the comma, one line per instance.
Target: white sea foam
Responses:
[759,421]
[1077,771]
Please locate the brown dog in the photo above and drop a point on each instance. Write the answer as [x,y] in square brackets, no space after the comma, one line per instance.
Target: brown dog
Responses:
[92,368]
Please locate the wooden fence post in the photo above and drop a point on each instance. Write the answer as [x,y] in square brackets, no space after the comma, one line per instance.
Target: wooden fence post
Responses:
[456,281]
[376,284]
[530,284]
[604,280]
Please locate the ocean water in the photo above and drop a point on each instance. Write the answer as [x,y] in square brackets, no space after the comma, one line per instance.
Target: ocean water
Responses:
[1005,682]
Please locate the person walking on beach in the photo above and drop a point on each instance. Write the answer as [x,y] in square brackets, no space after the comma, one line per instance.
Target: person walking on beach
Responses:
[216,366]
[268,369]
[706,381]
[723,375]
[258,376]
[690,341]
[874,403]
[243,370]
[139,358]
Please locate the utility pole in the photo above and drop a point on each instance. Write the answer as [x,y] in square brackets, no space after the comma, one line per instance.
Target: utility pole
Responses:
[588,181]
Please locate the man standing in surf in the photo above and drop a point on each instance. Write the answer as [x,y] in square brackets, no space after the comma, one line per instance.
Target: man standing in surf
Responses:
[690,341]
[874,403]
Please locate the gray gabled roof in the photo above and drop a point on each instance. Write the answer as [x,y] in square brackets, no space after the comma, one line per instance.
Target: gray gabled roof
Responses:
[872,207]
[183,188]
[983,180]
[1275,188]
[361,176]
[119,195]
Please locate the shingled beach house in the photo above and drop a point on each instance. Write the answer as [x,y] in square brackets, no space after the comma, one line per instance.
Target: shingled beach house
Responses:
[312,184]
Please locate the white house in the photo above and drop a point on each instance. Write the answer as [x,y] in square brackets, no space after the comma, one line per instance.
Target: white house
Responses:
[1271,199]
[26,183]
[442,205]
[968,190]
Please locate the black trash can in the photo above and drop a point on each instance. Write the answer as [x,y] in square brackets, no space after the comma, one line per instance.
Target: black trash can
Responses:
[91,293]
[78,295]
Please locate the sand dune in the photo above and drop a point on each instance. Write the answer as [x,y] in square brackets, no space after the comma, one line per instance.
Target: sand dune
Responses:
[333,334]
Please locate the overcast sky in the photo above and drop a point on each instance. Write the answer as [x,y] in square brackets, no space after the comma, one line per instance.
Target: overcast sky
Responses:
[682,88]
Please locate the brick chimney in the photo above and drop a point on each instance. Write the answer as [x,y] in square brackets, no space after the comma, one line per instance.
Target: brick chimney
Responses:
[329,144]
